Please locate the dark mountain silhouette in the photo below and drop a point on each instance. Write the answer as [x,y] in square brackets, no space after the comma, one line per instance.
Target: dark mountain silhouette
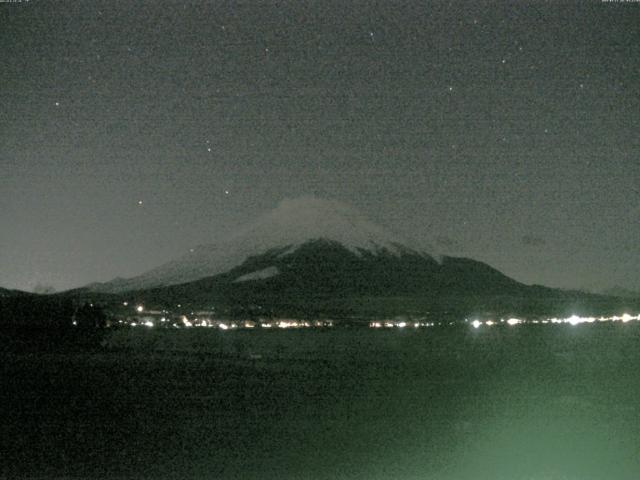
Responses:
[316,257]
[324,278]
[4,292]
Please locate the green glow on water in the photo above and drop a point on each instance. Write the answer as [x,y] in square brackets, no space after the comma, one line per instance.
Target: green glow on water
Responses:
[512,403]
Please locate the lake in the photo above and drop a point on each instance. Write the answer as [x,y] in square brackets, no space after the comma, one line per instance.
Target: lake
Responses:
[523,402]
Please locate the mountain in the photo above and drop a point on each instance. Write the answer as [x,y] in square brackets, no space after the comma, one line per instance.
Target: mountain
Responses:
[323,277]
[292,224]
[313,257]
[6,293]
[621,292]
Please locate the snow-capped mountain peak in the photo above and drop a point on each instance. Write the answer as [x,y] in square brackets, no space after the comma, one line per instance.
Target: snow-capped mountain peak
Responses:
[292,224]
[299,220]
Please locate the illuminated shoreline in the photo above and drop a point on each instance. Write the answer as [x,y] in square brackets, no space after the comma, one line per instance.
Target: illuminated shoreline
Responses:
[164,319]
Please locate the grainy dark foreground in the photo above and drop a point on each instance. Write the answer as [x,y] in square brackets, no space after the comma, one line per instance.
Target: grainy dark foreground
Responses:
[529,402]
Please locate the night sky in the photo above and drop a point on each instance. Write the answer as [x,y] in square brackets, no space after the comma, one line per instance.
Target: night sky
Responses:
[133,130]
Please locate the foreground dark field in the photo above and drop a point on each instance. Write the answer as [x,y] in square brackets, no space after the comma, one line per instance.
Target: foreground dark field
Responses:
[547,402]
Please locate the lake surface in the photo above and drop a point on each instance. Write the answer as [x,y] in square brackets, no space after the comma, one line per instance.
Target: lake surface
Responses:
[524,402]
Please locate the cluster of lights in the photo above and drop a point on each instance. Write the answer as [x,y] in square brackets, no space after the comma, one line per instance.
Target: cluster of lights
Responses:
[185,322]
[291,323]
[248,324]
[572,320]
[399,324]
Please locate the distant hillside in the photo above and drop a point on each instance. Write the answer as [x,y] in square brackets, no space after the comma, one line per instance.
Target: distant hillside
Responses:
[4,292]
[621,292]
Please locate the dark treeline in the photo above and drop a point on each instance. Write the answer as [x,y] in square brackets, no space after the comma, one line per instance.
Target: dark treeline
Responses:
[49,322]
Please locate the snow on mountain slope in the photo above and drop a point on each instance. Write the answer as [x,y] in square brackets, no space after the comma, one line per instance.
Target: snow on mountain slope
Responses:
[300,220]
[292,224]
[258,275]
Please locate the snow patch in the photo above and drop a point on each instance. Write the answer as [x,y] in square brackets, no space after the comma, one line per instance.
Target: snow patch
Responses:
[258,275]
